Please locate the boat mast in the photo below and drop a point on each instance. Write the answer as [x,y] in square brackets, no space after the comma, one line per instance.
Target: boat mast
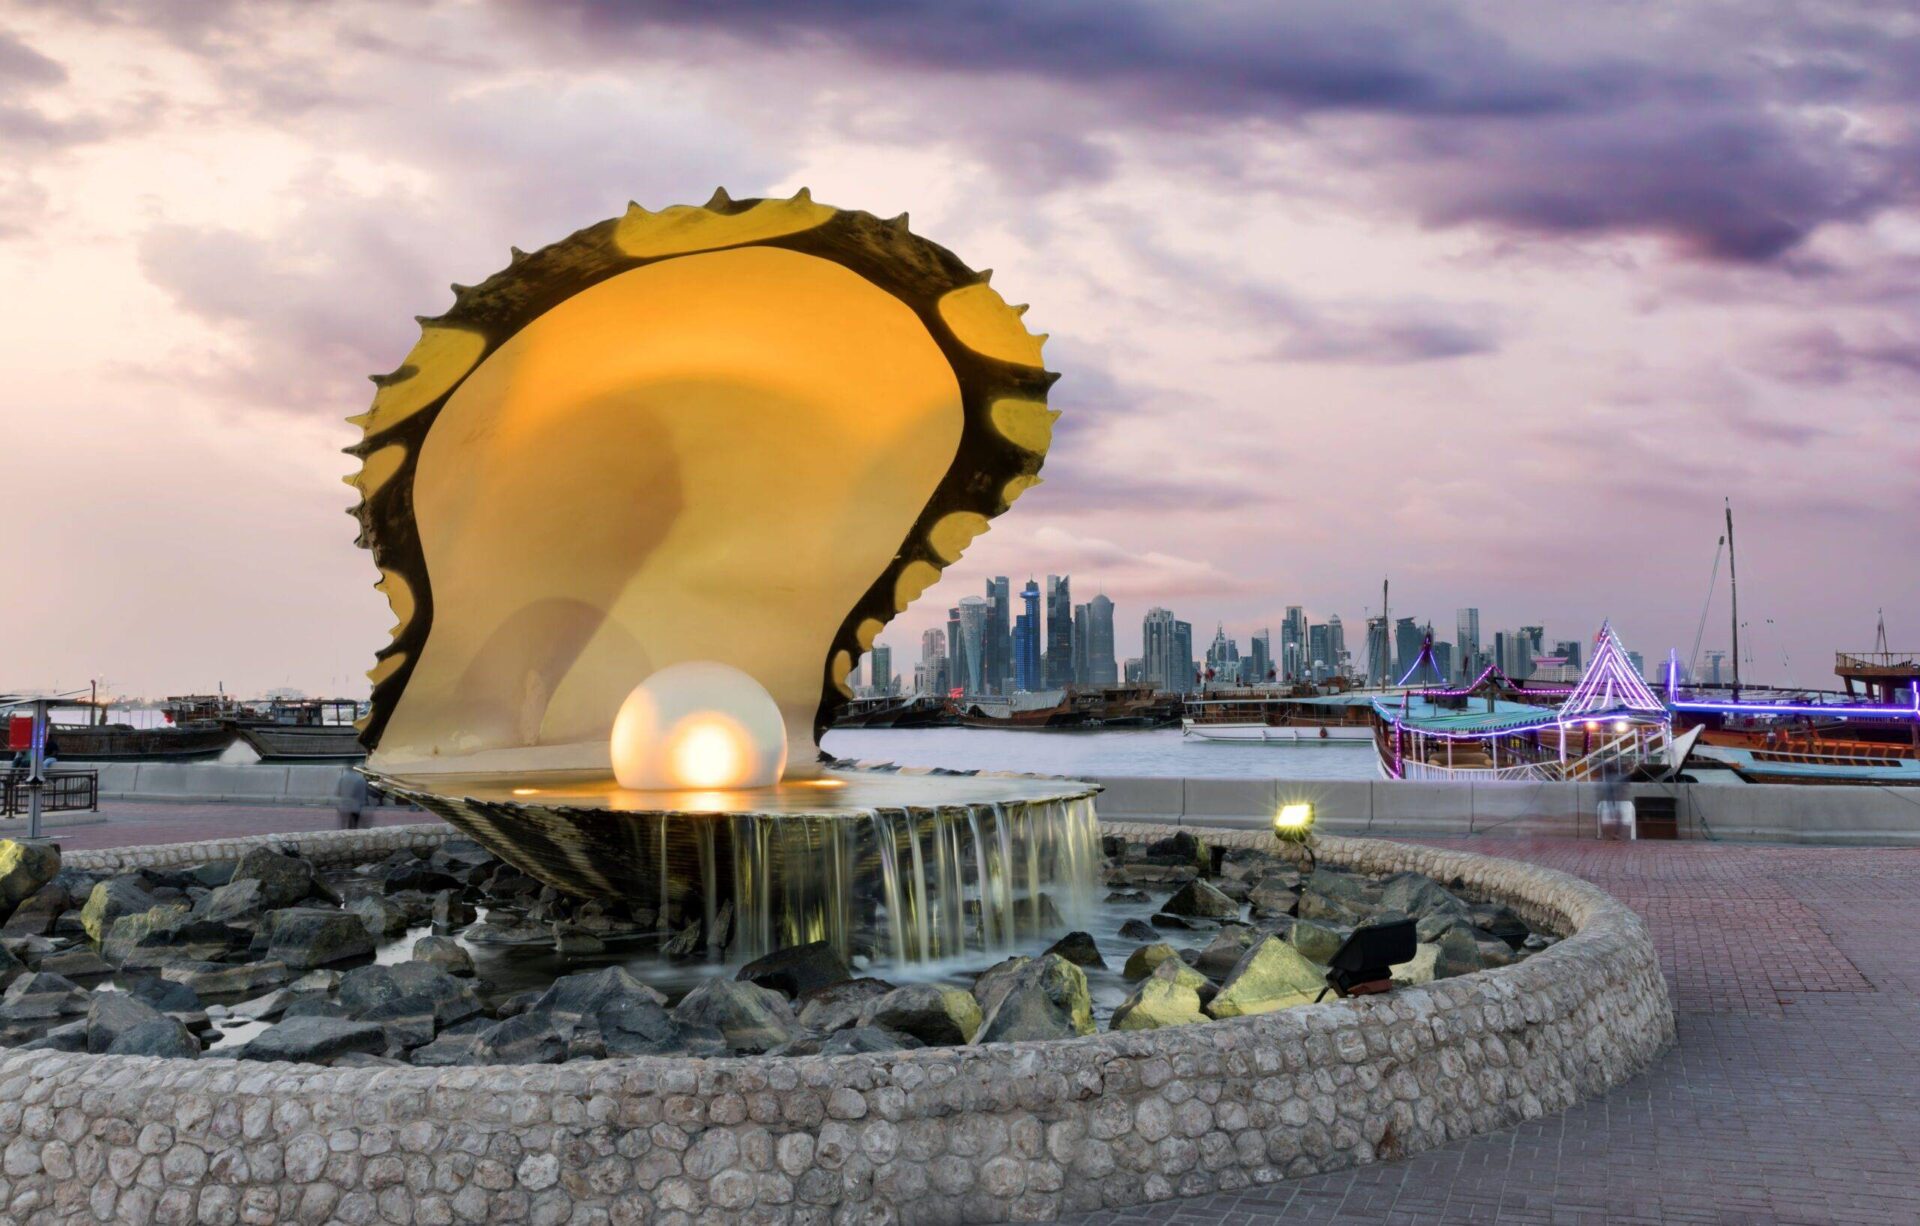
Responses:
[1733,585]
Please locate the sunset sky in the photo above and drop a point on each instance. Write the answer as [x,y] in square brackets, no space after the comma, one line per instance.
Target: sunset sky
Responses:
[1498,299]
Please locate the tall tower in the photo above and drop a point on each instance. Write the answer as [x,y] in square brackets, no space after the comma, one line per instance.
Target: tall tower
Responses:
[1059,666]
[998,649]
[1026,641]
[1102,669]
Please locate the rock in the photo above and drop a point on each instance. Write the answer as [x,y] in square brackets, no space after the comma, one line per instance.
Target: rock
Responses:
[1152,874]
[111,899]
[76,964]
[1315,941]
[164,996]
[308,937]
[1224,952]
[993,982]
[572,941]
[798,969]
[111,1013]
[1501,922]
[311,1005]
[1273,975]
[1433,927]
[1079,949]
[167,934]
[214,873]
[1332,910]
[1417,895]
[408,1020]
[284,880]
[1170,996]
[160,1036]
[463,860]
[451,913]
[1275,895]
[242,901]
[1538,941]
[1137,930]
[530,1038]
[1046,999]
[753,1019]
[683,944]
[518,1003]
[1127,896]
[861,1039]
[1460,953]
[936,1016]
[382,917]
[720,931]
[39,911]
[69,1037]
[11,968]
[446,1051]
[1420,968]
[1142,961]
[837,1006]
[445,953]
[1181,923]
[370,992]
[39,995]
[264,1008]
[1199,900]
[25,866]
[226,979]
[315,1040]
[418,875]
[632,1026]
[1181,848]
[571,997]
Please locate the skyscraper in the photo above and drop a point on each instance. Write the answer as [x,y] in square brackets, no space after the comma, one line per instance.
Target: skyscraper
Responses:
[1570,650]
[1336,644]
[1466,639]
[1101,666]
[998,651]
[1182,663]
[956,651]
[883,685]
[973,638]
[1321,659]
[1379,652]
[1059,666]
[1080,626]
[1294,642]
[1026,640]
[1159,651]
[1407,639]
[932,669]
[1223,657]
[1259,661]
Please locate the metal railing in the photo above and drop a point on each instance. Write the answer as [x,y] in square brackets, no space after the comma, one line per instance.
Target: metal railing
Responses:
[1904,662]
[63,791]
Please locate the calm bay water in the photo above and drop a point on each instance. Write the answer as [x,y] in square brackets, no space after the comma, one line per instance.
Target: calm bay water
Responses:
[1158,752]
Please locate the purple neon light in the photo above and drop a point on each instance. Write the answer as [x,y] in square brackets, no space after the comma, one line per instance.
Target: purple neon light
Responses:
[1783,708]
[1610,682]
[1489,671]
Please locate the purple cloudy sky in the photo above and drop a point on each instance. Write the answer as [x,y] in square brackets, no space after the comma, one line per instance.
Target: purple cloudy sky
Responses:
[1498,301]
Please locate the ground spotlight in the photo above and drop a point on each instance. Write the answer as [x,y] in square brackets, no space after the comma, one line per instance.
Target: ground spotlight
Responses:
[1293,823]
[1364,962]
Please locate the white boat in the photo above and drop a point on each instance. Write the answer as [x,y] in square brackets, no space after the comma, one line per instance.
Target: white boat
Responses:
[1320,719]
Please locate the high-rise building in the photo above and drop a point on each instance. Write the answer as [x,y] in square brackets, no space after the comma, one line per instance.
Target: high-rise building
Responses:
[1059,665]
[972,676]
[1026,641]
[998,650]
[1101,669]
[956,651]
[1568,650]
[1514,651]
[1182,664]
[1167,649]
[932,669]
[883,680]
[1258,665]
[1466,639]
[1443,658]
[1136,673]
[1321,658]
[1337,659]
[1079,644]
[1379,652]
[1408,637]
[1295,645]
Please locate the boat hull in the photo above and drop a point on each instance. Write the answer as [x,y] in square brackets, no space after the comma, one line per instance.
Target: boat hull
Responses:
[324,743]
[1283,734]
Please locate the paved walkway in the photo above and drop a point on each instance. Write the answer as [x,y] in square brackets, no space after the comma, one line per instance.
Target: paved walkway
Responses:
[1793,1094]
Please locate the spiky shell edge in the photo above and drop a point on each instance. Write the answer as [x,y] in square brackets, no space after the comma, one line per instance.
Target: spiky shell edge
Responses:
[1006,424]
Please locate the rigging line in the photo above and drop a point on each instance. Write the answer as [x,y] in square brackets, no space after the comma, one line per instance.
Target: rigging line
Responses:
[1713,581]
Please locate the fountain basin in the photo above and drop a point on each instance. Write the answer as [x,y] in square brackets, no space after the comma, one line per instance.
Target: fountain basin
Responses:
[912,867]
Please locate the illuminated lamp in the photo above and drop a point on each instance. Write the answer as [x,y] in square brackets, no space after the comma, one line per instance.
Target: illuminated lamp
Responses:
[700,725]
[1619,725]
[1293,823]
[1363,965]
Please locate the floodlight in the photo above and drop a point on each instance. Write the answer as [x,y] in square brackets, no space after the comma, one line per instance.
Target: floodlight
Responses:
[1294,822]
[1364,962]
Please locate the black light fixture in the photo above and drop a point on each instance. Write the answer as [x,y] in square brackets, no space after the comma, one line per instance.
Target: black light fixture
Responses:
[1363,965]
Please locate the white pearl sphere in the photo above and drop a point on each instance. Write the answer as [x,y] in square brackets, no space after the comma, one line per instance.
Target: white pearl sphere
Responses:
[699,726]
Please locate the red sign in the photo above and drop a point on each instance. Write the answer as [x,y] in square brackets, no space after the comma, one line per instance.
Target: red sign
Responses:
[20,732]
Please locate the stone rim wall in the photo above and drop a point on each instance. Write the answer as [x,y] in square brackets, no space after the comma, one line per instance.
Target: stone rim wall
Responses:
[1022,1130]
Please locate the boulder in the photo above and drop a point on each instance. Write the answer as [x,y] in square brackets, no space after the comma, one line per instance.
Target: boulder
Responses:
[1139,896]
[1502,922]
[314,1040]
[993,982]
[444,952]
[1224,952]
[1332,910]
[1142,961]
[1137,930]
[303,938]
[39,911]
[214,873]
[499,929]
[1315,941]
[937,1016]
[1272,975]
[25,866]
[451,912]
[162,995]
[1170,996]
[1152,874]
[408,1020]
[226,978]
[1276,895]
[39,995]
[237,902]
[837,1006]
[682,944]
[159,1036]
[11,968]
[633,1026]
[798,969]
[1079,949]
[76,964]
[111,899]
[857,1040]
[1182,923]
[1417,895]
[1199,900]
[418,875]
[109,1014]
[463,860]
[1046,999]
[753,1019]
[381,916]
[168,934]
[1420,968]
[572,941]
[571,997]
[72,1036]
[1182,848]
[446,1051]
[369,992]
[284,880]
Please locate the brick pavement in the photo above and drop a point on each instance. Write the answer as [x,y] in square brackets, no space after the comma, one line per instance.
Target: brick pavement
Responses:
[1793,1094]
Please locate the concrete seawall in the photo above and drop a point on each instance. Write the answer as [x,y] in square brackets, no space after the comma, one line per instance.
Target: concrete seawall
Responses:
[1862,816]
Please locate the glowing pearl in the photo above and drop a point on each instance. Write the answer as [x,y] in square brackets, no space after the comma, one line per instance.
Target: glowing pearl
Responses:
[701,725]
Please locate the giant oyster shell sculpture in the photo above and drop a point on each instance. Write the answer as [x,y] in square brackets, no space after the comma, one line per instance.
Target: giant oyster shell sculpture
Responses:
[750,433]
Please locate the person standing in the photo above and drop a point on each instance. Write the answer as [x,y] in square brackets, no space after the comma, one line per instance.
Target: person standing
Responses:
[351,798]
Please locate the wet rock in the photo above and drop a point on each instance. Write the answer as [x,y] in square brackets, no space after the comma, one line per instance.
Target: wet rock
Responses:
[1273,975]
[509,882]
[451,913]
[111,899]
[1250,864]
[162,995]
[1501,922]
[1137,930]
[937,1016]
[1182,848]
[1200,900]
[499,930]
[159,1036]
[79,965]
[1170,996]
[753,1019]
[1315,941]
[314,1040]
[1181,923]
[571,941]
[1417,895]
[993,982]
[284,879]
[381,916]
[308,937]
[37,995]
[604,919]
[1139,896]
[111,1013]
[720,931]
[214,873]
[226,979]
[683,944]
[463,860]
[368,992]
[168,934]
[39,911]
[268,1007]
[1220,955]
[69,1037]
[838,1006]
[632,1026]
[1275,895]
[1331,910]
[856,1040]
[1538,941]
[798,969]
[518,1003]
[408,1020]
[1420,968]
[418,875]
[1142,961]
[1079,949]
[1465,949]
[11,968]
[446,1051]
[26,865]
[1047,999]
[362,1059]
[237,902]
[445,953]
